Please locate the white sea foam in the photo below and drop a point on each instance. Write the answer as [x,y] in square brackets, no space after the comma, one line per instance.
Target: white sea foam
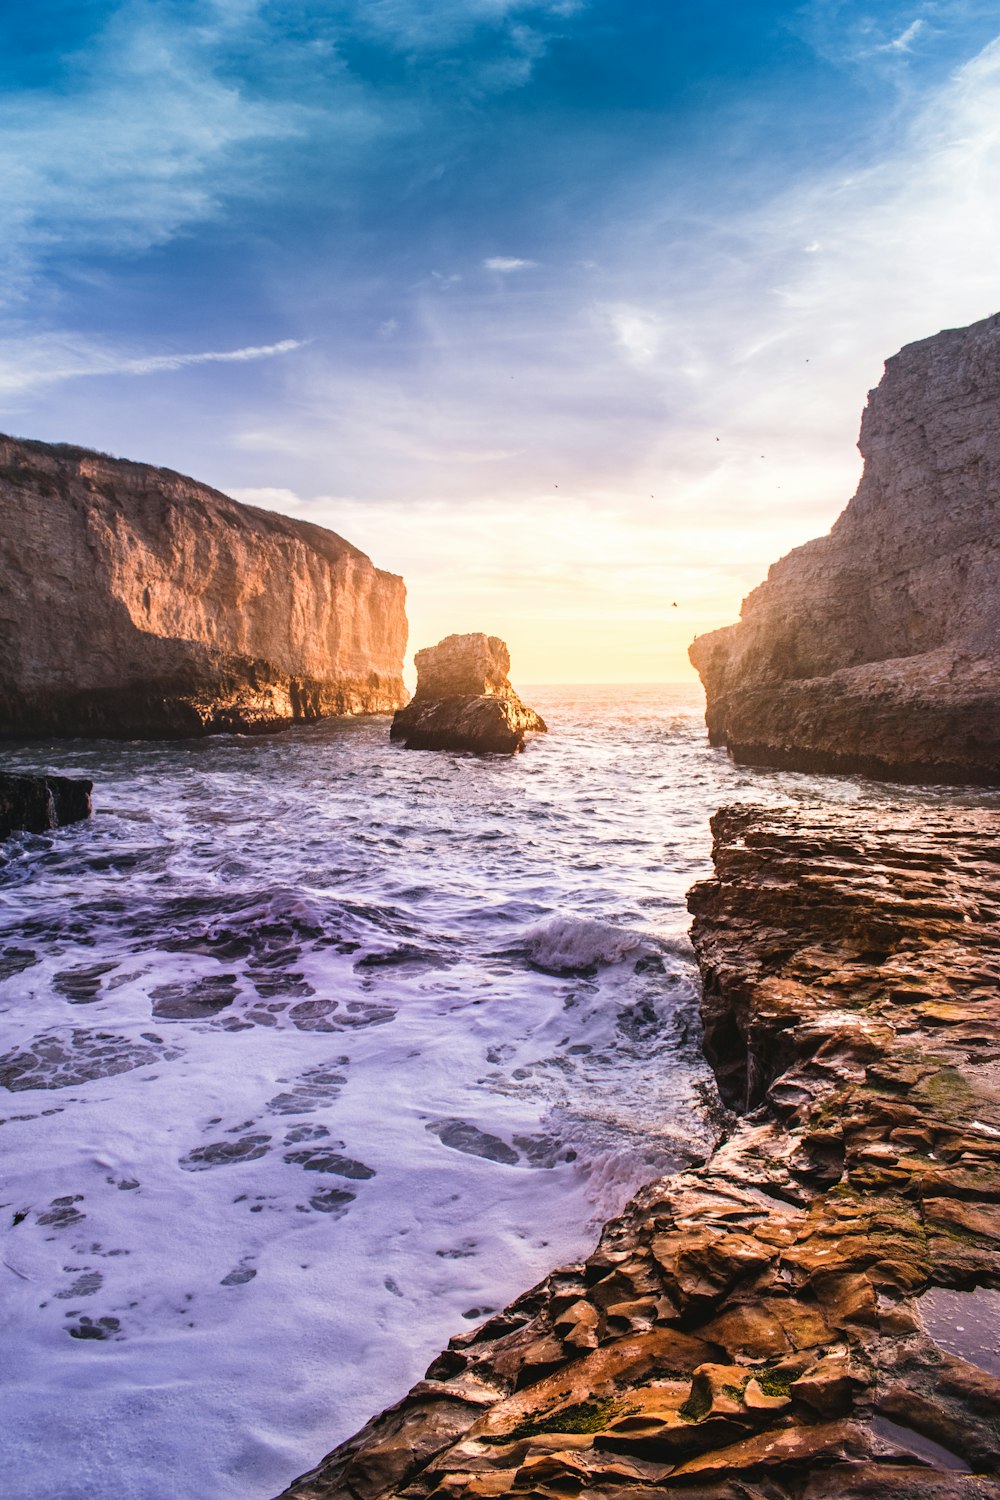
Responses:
[565,944]
[290,1098]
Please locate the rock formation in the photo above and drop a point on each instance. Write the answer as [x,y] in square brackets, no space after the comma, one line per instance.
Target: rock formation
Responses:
[135,602]
[809,1315]
[877,648]
[38,803]
[464,700]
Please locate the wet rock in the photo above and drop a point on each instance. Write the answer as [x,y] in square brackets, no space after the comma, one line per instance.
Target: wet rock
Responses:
[875,648]
[464,700]
[37,804]
[752,1329]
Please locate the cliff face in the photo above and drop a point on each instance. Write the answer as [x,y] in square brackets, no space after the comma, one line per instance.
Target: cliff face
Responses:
[812,1314]
[136,602]
[877,648]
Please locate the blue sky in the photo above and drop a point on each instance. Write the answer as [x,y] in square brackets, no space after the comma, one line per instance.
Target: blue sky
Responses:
[564,310]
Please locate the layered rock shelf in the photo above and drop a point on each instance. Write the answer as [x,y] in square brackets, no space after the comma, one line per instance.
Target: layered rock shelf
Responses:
[876,649]
[135,602]
[814,1313]
[36,804]
[464,700]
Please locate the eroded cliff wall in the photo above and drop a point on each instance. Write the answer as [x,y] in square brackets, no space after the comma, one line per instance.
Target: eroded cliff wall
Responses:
[877,648]
[134,601]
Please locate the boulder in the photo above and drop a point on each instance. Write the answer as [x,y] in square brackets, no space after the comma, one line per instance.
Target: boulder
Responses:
[876,649]
[137,603]
[464,700]
[37,803]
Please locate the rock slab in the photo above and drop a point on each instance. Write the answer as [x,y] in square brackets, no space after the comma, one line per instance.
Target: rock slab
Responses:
[135,602]
[767,1327]
[464,700]
[876,649]
[36,804]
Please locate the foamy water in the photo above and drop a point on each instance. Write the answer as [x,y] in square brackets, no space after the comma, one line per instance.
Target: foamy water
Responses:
[316,1050]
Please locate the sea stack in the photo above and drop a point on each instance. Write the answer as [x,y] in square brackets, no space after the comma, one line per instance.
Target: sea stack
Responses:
[464,700]
[137,603]
[876,649]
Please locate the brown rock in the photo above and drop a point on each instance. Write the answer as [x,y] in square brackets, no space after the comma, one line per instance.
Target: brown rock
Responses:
[464,700]
[135,602]
[39,803]
[875,648]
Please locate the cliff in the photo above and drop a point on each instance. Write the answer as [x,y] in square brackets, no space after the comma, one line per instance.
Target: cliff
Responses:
[136,602]
[813,1313]
[877,648]
[464,700]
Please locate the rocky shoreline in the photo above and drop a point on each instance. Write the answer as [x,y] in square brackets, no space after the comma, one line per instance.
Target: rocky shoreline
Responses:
[813,1313]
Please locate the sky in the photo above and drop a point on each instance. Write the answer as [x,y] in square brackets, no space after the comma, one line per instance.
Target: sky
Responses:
[565,310]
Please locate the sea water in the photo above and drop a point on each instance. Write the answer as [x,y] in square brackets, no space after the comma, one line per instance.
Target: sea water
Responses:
[315,1052]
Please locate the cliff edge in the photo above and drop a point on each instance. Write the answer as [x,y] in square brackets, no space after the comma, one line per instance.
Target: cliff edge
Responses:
[876,649]
[136,602]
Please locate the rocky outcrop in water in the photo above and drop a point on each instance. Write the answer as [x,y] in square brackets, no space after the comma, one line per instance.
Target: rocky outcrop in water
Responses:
[39,803]
[135,602]
[877,648]
[464,700]
[814,1313]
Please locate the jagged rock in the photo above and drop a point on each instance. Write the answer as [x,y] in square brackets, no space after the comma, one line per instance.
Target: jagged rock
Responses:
[464,700]
[38,803]
[783,1355]
[876,649]
[135,602]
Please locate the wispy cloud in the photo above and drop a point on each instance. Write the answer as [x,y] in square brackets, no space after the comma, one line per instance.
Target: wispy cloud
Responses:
[507,263]
[904,42]
[46,360]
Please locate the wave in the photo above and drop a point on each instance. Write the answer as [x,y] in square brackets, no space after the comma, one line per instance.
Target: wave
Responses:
[566,945]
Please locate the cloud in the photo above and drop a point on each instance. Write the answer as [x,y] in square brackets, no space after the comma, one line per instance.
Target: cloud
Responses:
[48,359]
[902,43]
[507,263]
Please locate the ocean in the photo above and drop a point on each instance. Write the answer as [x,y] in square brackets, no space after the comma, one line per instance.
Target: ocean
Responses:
[316,1051]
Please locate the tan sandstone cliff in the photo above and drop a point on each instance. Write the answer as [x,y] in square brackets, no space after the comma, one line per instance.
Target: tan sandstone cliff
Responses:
[136,602]
[877,648]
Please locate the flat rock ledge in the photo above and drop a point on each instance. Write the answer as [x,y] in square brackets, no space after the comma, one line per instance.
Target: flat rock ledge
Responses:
[464,700]
[35,804]
[814,1313]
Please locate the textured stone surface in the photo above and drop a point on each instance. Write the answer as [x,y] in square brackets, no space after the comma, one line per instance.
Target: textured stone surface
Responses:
[38,803]
[752,1330]
[464,700]
[137,602]
[877,648]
